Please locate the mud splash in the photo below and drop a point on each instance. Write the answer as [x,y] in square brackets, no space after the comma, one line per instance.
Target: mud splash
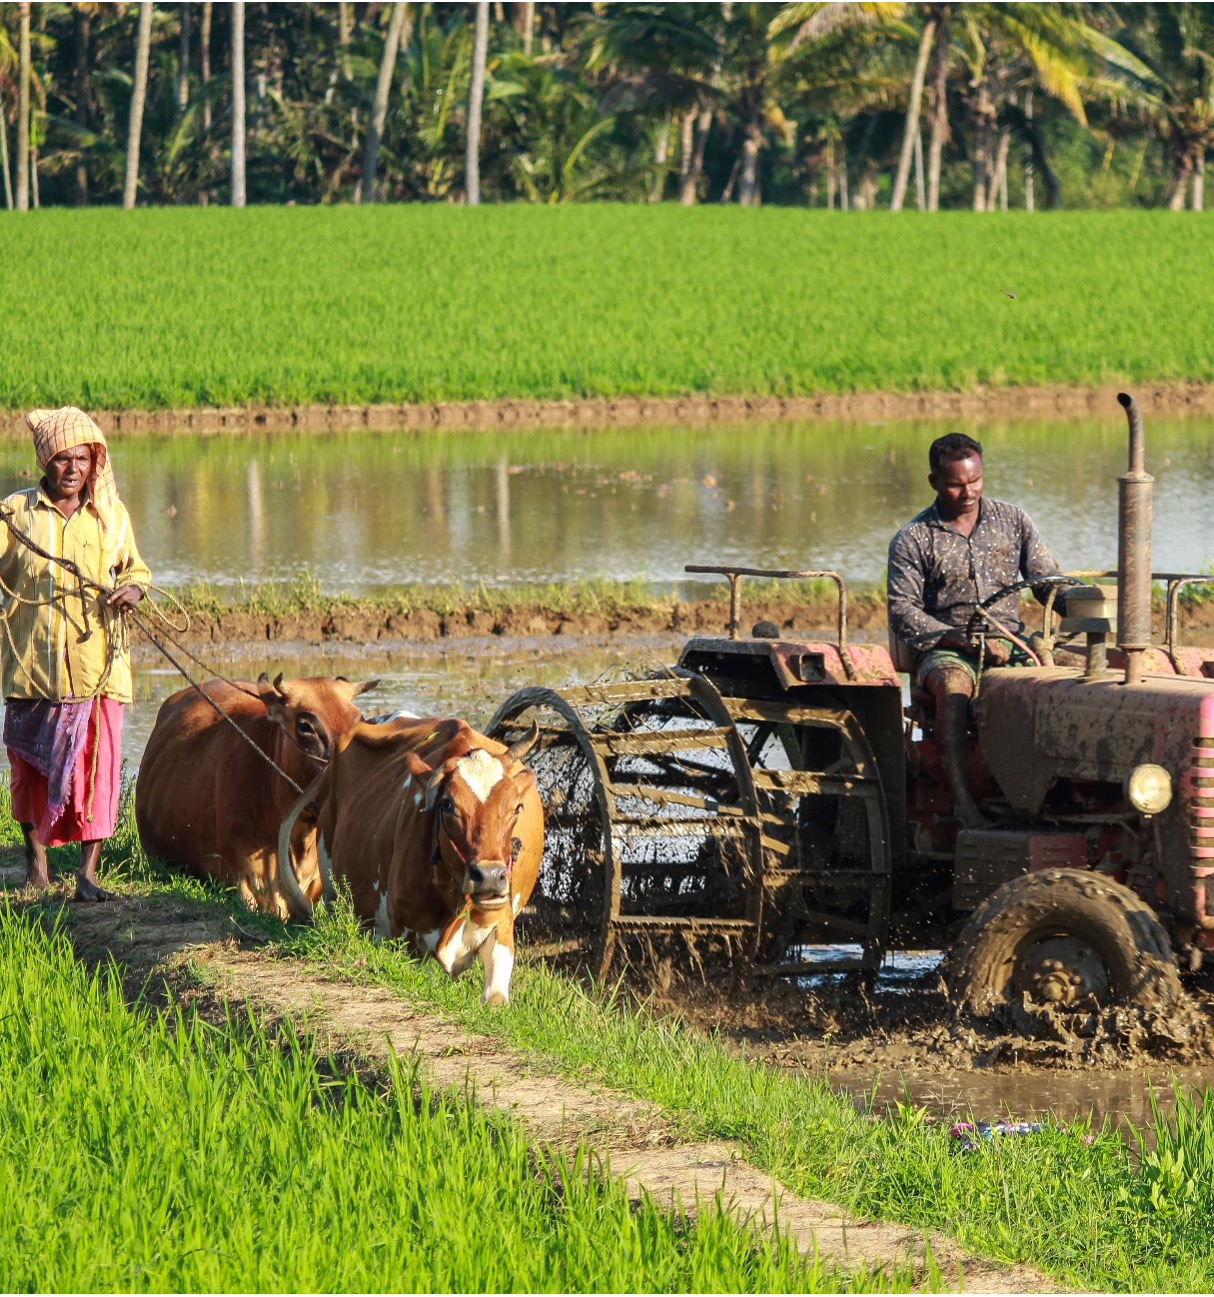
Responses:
[913,1025]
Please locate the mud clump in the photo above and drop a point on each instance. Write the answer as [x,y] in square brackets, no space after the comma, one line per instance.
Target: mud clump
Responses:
[914,1025]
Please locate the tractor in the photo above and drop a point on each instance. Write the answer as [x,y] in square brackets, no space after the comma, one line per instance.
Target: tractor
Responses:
[781,803]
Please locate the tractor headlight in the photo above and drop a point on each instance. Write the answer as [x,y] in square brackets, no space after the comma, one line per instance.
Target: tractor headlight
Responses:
[1149,788]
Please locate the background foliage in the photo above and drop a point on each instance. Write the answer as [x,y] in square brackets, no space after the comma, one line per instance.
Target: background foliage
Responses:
[802,104]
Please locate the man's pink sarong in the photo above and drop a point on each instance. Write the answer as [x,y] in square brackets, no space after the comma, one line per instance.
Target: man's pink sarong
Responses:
[30,785]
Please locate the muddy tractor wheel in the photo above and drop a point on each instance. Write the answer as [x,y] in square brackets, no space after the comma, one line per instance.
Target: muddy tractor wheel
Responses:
[1066,938]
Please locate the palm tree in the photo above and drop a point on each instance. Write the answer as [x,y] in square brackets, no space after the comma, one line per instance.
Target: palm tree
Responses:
[1172,81]
[476,94]
[379,110]
[662,58]
[23,109]
[204,60]
[183,59]
[238,89]
[911,133]
[138,95]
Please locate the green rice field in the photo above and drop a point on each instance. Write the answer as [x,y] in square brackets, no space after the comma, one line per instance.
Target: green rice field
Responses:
[145,1149]
[179,308]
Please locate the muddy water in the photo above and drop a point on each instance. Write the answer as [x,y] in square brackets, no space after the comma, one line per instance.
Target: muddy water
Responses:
[470,679]
[363,511]
[1036,1095]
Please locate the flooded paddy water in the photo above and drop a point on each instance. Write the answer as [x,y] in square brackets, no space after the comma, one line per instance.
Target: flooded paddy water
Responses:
[363,512]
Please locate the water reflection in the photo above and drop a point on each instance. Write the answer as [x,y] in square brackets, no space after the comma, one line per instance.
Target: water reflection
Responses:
[363,511]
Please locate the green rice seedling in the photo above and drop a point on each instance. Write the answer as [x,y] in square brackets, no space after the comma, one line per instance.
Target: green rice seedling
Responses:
[208,307]
[160,1152]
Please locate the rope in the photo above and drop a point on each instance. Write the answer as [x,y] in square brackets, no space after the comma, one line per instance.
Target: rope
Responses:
[114,630]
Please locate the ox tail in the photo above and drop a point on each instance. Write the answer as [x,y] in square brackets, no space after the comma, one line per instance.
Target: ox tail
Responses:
[297,900]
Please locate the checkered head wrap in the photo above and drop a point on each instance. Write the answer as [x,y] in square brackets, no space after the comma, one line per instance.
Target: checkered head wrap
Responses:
[56,430]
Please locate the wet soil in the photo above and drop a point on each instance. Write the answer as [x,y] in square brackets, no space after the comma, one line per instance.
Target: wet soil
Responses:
[912,1025]
[696,408]
[183,951]
[370,623]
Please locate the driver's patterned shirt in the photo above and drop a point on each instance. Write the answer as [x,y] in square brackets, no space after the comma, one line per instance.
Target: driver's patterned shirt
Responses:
[937,575]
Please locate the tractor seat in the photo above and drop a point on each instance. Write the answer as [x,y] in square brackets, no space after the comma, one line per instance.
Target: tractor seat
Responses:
[922,704]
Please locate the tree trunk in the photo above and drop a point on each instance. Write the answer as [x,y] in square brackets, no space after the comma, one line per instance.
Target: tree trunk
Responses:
[920,192]
[1180,182]
[690,182]
[82,22]
[832,178]
[379,110]
[660,154]
[748,168]
[687,132]
[1028,161]
[238,104]
[204,55]
[476,94]
[911,132]
[939,102]
[183,60]
[23,109]
[983,114]
[139,92]
[8,182]
[34,177]
[528,23]
[1199,181]
[844,198]
[996,183]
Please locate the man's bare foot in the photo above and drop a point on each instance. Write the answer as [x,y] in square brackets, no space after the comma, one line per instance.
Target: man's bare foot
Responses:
[88,889]
[37,876]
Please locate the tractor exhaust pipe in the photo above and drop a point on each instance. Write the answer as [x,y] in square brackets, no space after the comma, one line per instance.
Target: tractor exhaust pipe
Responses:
[1135,508]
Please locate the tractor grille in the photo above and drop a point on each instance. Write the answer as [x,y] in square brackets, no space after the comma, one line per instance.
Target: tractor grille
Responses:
[1200,811]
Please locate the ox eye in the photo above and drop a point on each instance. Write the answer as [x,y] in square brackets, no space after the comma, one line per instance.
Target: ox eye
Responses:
[447,805]
[304,726]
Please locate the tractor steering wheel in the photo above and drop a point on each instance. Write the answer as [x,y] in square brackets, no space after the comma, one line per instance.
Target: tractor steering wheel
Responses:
[981,623]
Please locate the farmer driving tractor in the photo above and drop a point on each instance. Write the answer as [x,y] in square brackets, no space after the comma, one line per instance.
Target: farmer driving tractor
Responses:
[942,565]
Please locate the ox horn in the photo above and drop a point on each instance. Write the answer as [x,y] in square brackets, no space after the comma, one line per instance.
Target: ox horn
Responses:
[365,687]
[517,751]
[297,901]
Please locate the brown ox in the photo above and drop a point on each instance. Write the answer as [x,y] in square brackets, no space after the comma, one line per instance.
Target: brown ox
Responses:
[438,831]
[207,802]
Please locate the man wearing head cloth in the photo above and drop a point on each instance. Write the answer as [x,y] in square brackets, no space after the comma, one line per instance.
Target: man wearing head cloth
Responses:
[64,663]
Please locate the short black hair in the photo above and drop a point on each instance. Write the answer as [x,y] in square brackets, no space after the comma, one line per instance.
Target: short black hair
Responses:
[953,445]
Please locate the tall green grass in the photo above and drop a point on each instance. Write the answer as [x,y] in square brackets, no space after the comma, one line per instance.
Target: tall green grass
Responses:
[145,1153]
[1093,1215]
[1106,1215]
[169,308]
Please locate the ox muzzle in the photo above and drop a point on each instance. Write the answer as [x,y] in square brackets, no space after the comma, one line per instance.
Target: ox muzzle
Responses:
[487,883]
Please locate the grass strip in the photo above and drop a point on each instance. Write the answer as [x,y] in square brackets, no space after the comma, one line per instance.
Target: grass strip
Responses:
[1097,1216]
[175,308]
[159,1153]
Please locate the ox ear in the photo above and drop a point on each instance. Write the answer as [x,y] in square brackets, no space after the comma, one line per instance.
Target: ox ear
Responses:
[270,694]
[434,787]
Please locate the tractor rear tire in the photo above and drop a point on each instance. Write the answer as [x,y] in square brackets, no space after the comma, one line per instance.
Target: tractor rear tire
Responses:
[1070,940]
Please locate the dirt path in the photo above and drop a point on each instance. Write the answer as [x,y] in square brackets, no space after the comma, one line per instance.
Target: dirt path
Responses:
[1058,400]
[180,944]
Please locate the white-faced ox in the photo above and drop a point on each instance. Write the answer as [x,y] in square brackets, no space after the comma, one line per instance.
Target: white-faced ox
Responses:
[207,800]
[437,830]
